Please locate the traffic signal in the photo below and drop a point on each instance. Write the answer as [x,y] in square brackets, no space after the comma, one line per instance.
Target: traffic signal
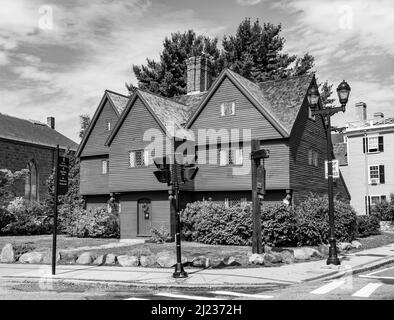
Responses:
[188,172]
[163,175]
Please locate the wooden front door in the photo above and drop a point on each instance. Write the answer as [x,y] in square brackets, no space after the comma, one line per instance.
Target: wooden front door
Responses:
[144,217]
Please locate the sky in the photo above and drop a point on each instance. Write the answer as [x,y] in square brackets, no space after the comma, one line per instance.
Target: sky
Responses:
[57,57]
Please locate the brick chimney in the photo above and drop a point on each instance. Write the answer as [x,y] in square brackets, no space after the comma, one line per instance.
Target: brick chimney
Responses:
[51,122]
[199,74]
[361,111]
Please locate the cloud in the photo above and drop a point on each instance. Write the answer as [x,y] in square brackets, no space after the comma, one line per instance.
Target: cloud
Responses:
[248,2]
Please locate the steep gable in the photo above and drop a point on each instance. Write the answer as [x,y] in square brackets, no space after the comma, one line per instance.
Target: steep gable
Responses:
[111,106]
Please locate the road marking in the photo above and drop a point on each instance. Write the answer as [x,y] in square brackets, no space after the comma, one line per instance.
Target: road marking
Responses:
[373,276]
[329,287]
[136,299]
[366,291]
[181,296]
[237,294]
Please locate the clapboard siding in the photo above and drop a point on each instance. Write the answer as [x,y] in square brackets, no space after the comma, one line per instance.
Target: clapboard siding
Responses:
[96,201]
[246,115]
[130,137]
[215,177]
[129,212]
[307,134]
[92,181]
[96,140]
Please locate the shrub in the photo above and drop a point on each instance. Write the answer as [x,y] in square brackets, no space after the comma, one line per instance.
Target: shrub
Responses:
[160,235]
[367,225]
[26,218]
[384,210]
[313,221]
[97,223]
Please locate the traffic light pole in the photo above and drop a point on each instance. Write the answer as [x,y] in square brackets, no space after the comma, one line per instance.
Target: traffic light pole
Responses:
[179,271]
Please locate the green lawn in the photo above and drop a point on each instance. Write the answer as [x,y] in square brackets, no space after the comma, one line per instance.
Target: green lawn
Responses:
[375,241]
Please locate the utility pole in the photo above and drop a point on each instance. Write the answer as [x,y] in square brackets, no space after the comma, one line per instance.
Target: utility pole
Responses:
[258,192]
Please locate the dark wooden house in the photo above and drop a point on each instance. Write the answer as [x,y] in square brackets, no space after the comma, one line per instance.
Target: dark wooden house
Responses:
[218,120]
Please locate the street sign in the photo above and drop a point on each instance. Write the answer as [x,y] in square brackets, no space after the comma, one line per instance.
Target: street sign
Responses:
[260,154]
[62,180]
[335,169]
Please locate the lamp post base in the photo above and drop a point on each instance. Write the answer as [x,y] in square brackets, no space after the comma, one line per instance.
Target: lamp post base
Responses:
[332,255]
[179,272]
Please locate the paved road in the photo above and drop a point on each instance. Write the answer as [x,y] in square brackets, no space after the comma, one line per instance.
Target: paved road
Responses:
[377,284]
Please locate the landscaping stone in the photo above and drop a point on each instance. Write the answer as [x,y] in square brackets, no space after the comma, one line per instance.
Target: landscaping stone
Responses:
[305,253]
[99,261]
[216,263]
[166,259]
[387,226]
[268,249]
[128,261]
[147,261]
[7,254]
[287,256]
[47,257]
[110,259]
[85,258]
[68,256]
[230,261]
[199,262]
[256,259]
[357,245]
[324,249]
[31,257]
[271,258]
[344,246]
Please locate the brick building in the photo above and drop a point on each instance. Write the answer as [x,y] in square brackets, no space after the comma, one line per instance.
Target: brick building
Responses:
[26,144]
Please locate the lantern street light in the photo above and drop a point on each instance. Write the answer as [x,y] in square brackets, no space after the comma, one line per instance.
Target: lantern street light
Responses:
[343,91]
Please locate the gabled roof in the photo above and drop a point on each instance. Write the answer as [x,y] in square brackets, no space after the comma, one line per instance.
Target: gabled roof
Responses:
[167,112]
[118,103]
[34,132]
[279,101]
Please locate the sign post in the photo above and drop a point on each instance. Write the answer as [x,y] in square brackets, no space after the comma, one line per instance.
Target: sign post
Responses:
[61,188]
[258,192]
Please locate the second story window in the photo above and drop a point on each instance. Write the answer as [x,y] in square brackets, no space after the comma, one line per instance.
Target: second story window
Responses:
[139,158]
[108,126]
[230,156]
[104,166]
[376,174]
[313,158]
[227,109]
[373,144]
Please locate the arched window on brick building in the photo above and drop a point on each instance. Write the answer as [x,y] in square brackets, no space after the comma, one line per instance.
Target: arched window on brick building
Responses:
[31,184]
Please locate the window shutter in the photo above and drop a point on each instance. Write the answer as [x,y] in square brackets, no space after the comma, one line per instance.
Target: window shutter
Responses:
[381,145]
[238,156]
[222,157]
[381,174]
[132,159]
[365,145]
[146,158]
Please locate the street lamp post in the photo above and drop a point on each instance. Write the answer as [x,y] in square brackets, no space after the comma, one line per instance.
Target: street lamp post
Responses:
[343,91]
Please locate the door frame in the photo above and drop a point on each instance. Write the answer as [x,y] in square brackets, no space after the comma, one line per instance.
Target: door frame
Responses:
[139,234]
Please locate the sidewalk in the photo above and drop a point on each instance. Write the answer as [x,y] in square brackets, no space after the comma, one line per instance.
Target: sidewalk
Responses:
[206,278]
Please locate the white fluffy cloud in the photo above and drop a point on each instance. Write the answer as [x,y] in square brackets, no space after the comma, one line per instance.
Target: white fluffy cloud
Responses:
[248,2]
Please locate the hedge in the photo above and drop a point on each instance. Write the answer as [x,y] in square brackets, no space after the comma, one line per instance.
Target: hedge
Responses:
[307,224]
[368,225]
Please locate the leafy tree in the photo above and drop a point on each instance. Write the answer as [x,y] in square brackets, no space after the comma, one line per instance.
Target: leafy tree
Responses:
[168,76]
[325,94]
[84,120]
[255,52]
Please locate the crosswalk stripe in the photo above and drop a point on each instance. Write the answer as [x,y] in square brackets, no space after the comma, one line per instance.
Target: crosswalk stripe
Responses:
[245,295]
[329,287]
[366,291]
[181,296]
[133,298]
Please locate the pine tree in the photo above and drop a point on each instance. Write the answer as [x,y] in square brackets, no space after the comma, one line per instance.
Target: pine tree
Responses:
[168,77]
[325,94]
[84,120]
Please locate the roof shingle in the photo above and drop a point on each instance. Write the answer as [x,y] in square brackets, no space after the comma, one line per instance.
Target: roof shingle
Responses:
[33,132]
[119,101]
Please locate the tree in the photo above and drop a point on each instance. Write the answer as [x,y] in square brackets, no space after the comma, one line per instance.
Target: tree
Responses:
[168,76]
[255,52]
[84,120]
[325,94]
